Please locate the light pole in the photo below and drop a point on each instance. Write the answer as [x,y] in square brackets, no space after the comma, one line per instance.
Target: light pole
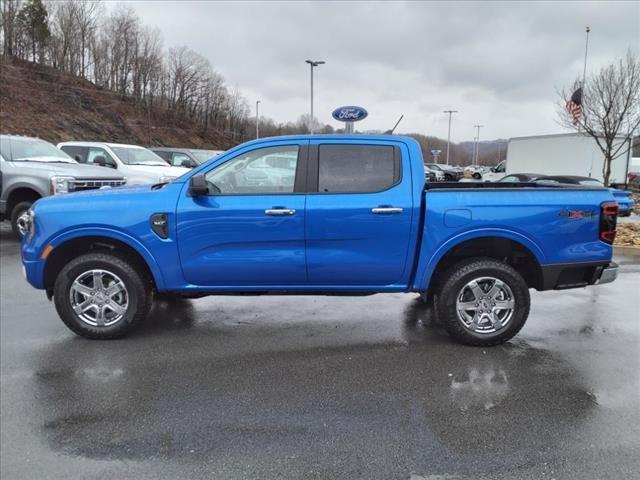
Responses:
[257,119]
[450,112]
[478,127]
[313,63]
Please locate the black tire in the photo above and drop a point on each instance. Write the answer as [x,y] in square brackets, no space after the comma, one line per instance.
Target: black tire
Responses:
[452,285]
[18,210]
[138,289]
[477,176]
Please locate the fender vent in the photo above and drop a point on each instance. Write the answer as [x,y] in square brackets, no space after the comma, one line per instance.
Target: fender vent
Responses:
[160,224]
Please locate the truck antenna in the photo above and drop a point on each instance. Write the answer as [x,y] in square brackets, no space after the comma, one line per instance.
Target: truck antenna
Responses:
[390,132]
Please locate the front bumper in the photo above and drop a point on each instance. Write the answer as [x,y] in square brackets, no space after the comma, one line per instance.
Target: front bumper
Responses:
[608,274]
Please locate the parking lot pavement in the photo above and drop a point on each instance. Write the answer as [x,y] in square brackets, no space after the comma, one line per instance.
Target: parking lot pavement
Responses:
[321,387]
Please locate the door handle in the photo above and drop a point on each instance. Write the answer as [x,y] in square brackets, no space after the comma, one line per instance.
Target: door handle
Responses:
[386,210]
[280,211]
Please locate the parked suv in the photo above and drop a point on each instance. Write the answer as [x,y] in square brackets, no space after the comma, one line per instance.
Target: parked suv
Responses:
[32,168]
[138,164]
[185,157]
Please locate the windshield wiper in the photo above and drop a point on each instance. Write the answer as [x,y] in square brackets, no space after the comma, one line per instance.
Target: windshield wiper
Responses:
[151,164]
[40,161]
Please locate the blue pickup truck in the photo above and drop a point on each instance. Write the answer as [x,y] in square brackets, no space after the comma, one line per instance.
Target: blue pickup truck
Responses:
[321,215]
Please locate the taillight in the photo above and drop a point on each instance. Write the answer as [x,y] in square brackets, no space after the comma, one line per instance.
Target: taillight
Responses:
[608,220]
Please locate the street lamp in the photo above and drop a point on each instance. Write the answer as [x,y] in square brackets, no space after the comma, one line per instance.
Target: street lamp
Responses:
[257,120]
[313,63]
[450,112]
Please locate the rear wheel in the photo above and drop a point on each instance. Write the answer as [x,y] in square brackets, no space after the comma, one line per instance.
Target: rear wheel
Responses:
[19,218]
[483,302]
[101,296]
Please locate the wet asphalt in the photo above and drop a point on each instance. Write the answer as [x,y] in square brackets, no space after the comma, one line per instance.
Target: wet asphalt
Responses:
[321,387]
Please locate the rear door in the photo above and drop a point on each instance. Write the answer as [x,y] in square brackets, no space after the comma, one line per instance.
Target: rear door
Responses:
[248,232]
[359,214]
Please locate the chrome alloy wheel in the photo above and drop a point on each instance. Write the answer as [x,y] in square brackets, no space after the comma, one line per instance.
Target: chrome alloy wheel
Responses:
[485,305]
[99,298]
[22,222]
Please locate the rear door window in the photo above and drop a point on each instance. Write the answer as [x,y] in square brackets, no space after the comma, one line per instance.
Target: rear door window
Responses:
[357,168]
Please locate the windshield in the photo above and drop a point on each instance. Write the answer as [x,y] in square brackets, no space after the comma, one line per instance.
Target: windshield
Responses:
[204,155]
[138,156]
[33,150]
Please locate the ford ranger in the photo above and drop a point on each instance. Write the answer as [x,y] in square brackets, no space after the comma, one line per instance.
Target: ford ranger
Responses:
[328,215]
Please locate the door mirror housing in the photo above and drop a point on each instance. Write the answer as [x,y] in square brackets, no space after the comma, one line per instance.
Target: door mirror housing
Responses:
[198,185]
[103,162]
[188,163]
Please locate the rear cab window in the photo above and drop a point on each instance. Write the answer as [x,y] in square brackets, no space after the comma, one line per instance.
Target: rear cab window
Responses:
[357,168]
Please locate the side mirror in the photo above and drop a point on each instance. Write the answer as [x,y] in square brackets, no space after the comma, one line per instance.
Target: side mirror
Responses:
[102,161]
[493,169]
[198,185]
[188,163]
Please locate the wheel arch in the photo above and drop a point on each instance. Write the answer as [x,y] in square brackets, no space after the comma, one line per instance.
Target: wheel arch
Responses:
[516,249]
[20,193]
[72,244]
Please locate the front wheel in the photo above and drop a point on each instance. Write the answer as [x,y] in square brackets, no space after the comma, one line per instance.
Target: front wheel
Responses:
[101,296]
[483,302]
[19,218]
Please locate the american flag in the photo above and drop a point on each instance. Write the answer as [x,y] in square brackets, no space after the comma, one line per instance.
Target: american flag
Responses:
[574,106]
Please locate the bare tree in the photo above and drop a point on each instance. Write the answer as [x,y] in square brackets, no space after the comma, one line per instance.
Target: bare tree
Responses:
[610,108]
[87,13]
[9,15]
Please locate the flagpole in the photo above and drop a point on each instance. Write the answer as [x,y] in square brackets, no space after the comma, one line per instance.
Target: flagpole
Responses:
[584,72]
[586,50]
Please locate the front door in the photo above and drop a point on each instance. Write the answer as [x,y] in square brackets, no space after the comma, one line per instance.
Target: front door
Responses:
[359,218]
[249,231]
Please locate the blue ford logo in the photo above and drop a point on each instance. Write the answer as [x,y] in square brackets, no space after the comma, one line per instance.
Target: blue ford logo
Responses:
[349,114]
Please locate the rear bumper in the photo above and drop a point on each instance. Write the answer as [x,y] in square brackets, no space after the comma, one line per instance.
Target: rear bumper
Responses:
[608,274]
[576,275]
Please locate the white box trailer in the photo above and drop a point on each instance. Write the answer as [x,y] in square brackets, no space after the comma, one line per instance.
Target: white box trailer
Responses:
[565,154]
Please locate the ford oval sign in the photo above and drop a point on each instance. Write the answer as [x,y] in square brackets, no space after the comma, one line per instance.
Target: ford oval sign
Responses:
[349,114]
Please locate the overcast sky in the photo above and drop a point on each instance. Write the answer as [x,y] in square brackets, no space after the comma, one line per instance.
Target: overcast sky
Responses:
[497,63]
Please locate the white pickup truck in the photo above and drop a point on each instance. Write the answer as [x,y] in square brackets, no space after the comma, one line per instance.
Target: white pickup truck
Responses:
[138,164]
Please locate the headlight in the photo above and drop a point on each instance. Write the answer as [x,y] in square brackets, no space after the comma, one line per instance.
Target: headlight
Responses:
[167,179]
[61,185]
